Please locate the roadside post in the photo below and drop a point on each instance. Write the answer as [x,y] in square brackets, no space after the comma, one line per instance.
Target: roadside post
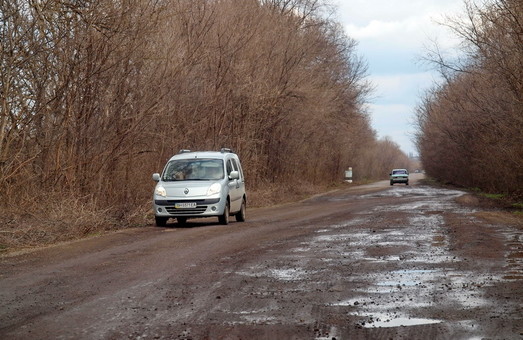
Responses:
[348,175]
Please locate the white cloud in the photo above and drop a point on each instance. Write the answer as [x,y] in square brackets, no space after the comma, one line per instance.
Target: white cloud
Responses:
[412,33]
[404,23]
[361,12]
[374,29]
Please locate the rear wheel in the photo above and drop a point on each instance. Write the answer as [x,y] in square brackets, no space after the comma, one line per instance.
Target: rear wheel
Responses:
[161,221]
[391,183]
[407,183]
[240,216]
[224,218]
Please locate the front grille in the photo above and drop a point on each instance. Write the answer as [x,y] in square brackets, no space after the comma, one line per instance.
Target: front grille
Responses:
[173,202]
[186,211]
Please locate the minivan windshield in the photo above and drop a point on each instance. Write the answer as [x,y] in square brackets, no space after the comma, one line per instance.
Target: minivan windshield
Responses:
[197,169]
[399,172]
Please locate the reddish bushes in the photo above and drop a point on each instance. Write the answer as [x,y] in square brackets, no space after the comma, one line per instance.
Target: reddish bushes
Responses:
[471,127]
[96,95]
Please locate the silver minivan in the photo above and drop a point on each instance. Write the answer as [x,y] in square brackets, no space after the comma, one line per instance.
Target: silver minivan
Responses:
[200,184]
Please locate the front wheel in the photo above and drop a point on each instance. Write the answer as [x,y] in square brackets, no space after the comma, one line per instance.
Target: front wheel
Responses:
[161,221]
[240,216]
[224,218]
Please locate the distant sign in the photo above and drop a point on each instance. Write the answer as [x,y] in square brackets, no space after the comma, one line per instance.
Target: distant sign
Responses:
[348,175]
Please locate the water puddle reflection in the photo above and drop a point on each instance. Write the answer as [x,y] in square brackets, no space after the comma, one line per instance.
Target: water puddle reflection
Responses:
[384,322]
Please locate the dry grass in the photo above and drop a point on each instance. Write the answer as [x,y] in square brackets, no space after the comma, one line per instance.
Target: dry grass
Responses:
[496,210]
[272,194]
[57,219]
[501,217]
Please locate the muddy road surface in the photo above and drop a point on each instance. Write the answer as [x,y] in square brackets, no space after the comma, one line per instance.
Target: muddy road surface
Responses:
[368,262]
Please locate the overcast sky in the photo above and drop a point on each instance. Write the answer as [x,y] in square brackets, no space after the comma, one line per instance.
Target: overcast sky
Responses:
[392,36]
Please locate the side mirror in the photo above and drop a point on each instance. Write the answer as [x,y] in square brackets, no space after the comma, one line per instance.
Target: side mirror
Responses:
[156,177]
[234,175]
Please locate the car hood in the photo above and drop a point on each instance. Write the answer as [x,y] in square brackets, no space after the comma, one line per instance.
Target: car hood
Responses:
[187,189]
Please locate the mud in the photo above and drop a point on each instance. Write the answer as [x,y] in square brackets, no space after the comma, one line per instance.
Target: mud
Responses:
[368,262]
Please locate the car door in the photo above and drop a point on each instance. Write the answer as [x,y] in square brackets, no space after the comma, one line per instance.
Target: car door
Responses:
[235,185]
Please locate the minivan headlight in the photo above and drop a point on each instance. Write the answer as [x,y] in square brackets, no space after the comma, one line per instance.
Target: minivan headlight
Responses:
[160,191]
[214,189]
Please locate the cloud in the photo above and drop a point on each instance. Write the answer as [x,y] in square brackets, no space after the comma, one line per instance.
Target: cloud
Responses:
[361,12]
[405,24]
[411,33]
[374,29]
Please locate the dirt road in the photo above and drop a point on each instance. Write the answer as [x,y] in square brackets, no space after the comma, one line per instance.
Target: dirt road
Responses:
[370,262]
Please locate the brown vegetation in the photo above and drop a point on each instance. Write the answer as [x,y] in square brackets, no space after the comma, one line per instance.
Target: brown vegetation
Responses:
[471,126]
[96,95]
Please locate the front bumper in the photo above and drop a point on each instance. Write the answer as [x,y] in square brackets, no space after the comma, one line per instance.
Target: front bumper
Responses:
[204,208]
[399,180]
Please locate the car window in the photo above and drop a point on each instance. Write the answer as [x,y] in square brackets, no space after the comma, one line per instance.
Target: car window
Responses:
[237,167]
[240,169]
[193,170]
[399,172]
[229,167]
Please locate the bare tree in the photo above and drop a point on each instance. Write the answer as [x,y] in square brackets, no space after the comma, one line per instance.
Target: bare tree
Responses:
[470,127]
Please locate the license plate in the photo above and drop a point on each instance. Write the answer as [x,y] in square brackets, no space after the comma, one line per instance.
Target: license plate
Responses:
[185,205]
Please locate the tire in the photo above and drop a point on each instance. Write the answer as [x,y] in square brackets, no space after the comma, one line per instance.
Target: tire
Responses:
[407,183]
[161,221]
[391,183]
[240,215]
[224,218]
[181,220]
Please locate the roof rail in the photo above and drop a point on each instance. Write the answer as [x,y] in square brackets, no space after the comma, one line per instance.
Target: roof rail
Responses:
[224,150]
[184,151]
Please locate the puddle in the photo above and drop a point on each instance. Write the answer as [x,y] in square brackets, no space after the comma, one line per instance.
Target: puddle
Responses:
[514,255]
[301,249]
[407,278]
[392,273]
[331,238]
[398,322]
[363,301]
[402,283]
[257,320]
[287,274]
[420,191]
